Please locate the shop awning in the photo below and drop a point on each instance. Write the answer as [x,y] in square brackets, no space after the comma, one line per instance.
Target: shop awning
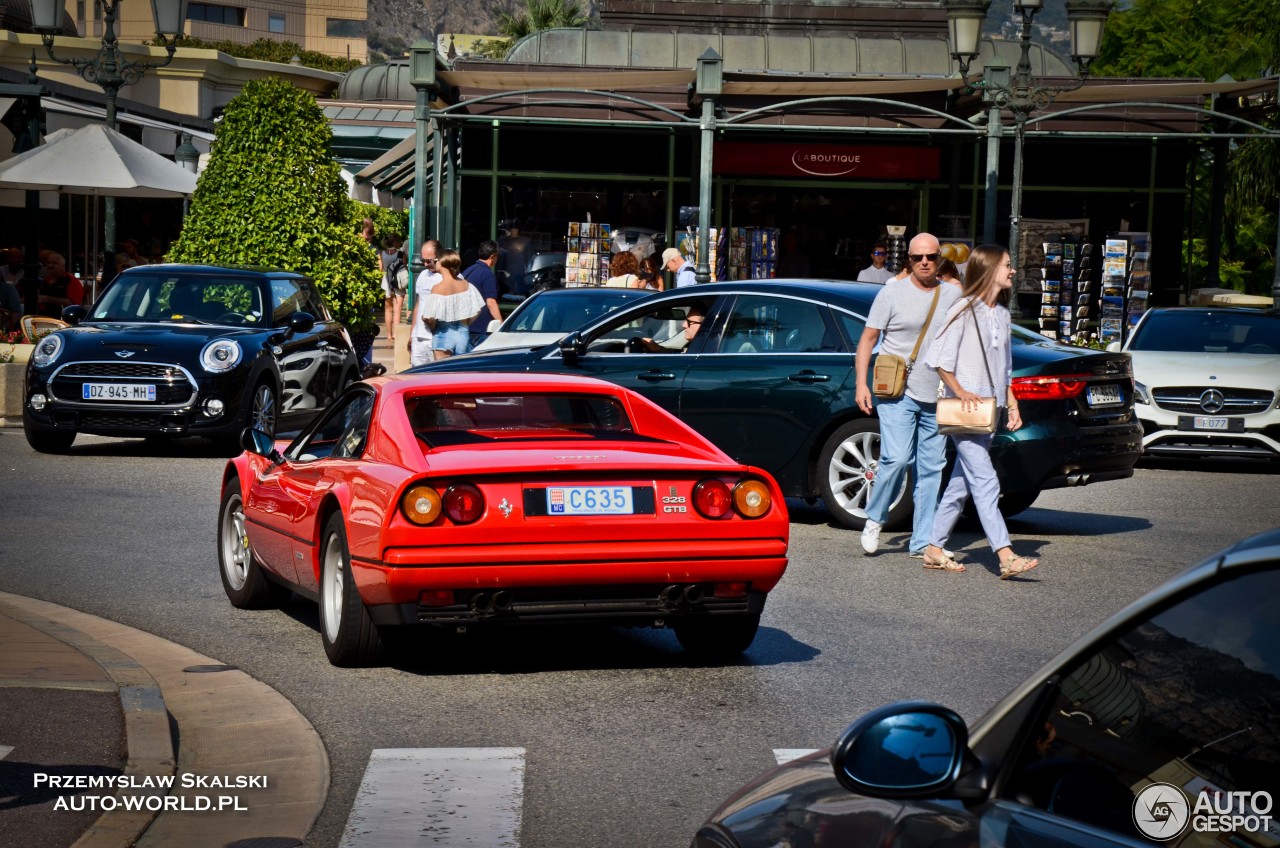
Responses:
[393,171]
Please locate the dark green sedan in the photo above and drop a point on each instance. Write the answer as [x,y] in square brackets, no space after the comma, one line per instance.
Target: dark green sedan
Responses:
[764,369]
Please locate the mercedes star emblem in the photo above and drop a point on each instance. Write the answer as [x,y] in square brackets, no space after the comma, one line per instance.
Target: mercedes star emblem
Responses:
[1212,401]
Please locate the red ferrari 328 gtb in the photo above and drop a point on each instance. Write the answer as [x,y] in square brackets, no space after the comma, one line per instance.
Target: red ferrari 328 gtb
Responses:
[462,500]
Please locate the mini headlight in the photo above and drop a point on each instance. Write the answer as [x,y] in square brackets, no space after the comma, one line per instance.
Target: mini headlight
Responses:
[220,355]
[47,350]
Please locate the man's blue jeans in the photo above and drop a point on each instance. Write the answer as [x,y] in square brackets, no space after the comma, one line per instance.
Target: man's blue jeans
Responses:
[909,438]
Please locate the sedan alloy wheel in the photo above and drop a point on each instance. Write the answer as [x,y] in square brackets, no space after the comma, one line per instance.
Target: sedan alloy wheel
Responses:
[848,466]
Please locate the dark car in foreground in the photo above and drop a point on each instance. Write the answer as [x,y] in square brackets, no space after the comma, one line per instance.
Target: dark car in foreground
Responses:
[1158,727]
[188,350]
[769,378]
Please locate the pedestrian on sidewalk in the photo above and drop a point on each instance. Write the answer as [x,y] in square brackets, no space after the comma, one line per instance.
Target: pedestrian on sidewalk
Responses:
[395,282]
[451,307]
[481,275]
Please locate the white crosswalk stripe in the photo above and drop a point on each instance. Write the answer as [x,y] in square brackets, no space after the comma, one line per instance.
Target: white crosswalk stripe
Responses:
[447,797]
[442,797]
[786,755]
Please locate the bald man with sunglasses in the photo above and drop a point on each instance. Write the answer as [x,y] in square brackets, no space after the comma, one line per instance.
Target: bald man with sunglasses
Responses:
[909,437]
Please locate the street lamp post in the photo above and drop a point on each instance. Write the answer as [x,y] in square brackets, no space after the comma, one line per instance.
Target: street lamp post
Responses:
[422,76]
[109,69]
[1022,94]
[186,155]
[708,85]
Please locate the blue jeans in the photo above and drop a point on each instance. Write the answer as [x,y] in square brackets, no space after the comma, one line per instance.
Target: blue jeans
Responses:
[454,337]
[909,437]
[973,477]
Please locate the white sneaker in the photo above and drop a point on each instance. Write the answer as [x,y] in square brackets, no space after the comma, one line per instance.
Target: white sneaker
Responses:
[871,536]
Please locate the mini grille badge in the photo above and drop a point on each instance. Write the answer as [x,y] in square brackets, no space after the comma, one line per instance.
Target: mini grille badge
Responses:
[506,508]
[1212,401]
[125,354]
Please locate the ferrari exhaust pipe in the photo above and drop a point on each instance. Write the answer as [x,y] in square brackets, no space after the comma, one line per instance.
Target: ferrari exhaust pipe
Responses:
[482,602]
[501,601]
[669,597]
[693,595]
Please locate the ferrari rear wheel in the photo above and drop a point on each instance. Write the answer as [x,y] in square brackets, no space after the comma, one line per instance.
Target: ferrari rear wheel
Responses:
[242,577]
[719,637]
[350,636]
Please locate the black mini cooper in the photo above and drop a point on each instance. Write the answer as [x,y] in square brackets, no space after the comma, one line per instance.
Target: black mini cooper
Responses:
[188,350]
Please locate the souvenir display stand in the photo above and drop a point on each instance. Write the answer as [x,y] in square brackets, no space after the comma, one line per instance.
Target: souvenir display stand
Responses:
[587,252]
[752,253]
[1065,290]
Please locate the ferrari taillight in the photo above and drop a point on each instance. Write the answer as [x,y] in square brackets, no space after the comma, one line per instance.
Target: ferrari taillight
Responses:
[463,503]
[712,498]
[751,498]
[1049,388]
[421,504]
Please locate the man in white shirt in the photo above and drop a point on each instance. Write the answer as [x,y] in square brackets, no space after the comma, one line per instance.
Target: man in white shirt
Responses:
[909,434]
[673,260]
[876,272]
[420,339]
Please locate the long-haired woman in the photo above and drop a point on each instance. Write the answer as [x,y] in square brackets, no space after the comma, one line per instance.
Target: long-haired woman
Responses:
[974,359]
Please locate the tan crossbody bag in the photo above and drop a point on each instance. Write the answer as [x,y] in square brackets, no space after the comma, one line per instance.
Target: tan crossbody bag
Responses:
[890,371]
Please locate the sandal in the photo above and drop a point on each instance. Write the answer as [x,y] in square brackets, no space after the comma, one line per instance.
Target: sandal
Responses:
[1016,565]
[942,564]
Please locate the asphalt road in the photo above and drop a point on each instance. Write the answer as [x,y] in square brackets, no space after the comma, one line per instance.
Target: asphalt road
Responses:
[627,743]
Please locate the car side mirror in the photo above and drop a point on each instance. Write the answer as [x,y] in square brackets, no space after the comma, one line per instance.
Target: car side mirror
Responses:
[1113,347]
[73,315]
[301,322]
[910,749]
[257,442]
[493,326]
[572,347]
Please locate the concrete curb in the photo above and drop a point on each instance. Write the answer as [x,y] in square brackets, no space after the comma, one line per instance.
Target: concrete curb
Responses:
[146,722]
[229,725]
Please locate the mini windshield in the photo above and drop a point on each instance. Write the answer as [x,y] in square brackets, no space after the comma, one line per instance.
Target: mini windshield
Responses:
[472,419]
[181,299]
[1197,331]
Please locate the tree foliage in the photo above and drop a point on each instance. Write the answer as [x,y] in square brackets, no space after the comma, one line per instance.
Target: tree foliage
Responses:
[273,196]
[1190,38]
[536,16]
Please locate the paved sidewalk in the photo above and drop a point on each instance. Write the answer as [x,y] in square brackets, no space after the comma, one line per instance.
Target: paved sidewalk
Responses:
[85,700]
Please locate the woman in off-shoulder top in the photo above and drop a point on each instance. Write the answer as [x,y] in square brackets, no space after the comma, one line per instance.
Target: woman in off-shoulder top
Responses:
[451,307]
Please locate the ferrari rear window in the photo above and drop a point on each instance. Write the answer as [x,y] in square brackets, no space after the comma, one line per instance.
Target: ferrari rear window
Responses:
[462,419]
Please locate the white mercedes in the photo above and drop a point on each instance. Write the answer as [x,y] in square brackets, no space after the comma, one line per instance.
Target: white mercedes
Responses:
[1207,381]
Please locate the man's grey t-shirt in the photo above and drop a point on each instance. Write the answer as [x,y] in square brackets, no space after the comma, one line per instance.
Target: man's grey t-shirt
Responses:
[898,312]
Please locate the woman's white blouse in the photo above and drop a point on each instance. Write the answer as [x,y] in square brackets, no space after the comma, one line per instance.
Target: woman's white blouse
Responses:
[961,347]
[451,308]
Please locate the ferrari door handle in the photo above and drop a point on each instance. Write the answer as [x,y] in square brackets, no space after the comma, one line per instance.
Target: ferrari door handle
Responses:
[808,377]
[655,376]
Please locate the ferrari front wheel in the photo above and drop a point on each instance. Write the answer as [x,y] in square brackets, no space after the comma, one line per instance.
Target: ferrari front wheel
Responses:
[349,634]
[242,577]
[718,637]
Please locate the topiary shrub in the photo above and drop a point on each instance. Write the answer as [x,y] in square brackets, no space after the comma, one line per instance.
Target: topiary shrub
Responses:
[272,196]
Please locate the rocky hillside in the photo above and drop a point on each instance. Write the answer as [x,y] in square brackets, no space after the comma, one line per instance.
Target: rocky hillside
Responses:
[396,24]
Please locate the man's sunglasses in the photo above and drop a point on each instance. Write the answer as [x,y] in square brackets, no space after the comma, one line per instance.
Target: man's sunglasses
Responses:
[920,257]
[878,253]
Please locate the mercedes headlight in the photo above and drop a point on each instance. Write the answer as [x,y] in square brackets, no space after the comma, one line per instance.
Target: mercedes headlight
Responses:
[47,350]
[1141,394]
[220,355]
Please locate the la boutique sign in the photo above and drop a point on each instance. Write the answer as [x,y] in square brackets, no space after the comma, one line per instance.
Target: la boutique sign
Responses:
[827,161]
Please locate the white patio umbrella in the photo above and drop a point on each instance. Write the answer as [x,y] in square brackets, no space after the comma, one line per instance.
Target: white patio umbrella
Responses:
[96,160]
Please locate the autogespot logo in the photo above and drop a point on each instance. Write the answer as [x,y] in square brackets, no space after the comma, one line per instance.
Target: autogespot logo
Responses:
[1161,812]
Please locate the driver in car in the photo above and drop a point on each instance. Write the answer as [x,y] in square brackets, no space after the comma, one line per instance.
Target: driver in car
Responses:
[679,344]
